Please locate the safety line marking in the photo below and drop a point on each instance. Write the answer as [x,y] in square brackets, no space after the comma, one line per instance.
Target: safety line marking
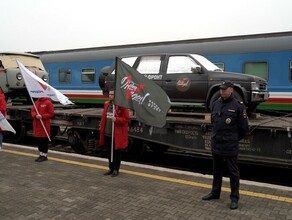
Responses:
[158,177]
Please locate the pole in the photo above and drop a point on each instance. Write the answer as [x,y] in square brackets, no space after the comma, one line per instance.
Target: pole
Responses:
[113,133]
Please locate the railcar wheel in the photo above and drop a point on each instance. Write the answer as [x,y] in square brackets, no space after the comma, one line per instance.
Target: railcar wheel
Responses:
[20,133]
[158,148]
[76,142]
[55,130]
[136,148]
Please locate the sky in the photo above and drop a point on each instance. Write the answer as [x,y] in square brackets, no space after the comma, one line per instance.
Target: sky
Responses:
[48,25]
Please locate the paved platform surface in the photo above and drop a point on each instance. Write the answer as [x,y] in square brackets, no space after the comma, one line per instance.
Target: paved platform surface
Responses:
[71,186]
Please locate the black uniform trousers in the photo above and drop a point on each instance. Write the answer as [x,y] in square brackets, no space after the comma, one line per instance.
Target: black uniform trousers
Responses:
[232,164]
[117,155]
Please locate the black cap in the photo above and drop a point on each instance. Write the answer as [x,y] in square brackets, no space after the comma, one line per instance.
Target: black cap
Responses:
[226,84]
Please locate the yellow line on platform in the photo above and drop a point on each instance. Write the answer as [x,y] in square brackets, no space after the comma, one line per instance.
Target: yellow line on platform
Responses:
[158,177]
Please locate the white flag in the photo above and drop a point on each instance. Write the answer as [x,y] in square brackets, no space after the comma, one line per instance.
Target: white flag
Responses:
[37,88]
[4,124]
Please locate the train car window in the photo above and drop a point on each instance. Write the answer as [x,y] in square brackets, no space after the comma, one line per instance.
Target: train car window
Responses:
[220,66]
[180,64]
[256,69]
[290,70]
[88,75]
[149,65]
[64,75]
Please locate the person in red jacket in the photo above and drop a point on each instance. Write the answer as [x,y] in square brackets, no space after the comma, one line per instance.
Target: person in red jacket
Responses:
[3,111]
[42,112]
[120,122]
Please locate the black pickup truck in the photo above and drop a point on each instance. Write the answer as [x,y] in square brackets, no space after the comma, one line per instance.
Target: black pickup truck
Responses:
[191,79]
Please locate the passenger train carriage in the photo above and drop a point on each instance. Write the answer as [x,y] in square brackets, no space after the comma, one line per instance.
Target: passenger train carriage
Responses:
[76,72]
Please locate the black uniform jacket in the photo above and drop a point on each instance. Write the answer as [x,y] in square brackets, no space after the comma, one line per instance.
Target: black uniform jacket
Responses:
[230,124]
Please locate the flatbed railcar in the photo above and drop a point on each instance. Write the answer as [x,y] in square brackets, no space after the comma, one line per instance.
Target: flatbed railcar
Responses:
[76,72]
[268,143]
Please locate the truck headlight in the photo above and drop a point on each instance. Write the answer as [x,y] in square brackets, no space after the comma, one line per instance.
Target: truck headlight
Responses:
[255,86]
[18,76]
[45,78]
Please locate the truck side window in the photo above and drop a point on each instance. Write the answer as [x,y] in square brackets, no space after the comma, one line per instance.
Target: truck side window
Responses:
[180,64]
[149,65]
[220,65]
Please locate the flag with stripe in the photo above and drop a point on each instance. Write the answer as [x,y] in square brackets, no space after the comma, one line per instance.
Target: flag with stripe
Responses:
[5,125]
[37,88]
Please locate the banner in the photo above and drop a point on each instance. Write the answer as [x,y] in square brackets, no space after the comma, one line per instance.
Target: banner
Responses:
[5,125]
[134,91]
[37,88]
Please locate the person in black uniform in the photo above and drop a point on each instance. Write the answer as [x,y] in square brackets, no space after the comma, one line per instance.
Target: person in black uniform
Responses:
[230,124]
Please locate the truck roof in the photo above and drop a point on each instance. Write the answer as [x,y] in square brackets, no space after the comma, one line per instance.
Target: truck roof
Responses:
[19,53]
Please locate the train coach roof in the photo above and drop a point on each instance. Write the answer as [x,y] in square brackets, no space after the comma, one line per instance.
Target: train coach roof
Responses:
[206,46]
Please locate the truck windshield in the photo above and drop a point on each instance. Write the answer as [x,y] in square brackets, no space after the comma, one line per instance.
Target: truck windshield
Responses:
[128,60]
[206,63]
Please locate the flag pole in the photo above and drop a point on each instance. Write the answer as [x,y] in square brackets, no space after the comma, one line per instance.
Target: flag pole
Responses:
[113,123]
[40,119]
[113,133]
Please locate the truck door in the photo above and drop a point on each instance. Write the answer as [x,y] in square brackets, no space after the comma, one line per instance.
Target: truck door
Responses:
[150,67]
[181,83]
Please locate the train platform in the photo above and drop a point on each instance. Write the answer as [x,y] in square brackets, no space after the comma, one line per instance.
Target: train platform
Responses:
[72,186]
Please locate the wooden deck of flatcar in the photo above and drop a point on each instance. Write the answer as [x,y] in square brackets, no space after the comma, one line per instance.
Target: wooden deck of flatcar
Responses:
[93,112]
[188,118]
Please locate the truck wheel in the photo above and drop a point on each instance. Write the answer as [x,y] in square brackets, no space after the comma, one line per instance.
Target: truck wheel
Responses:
[251,109]
[238,96]
[216,96]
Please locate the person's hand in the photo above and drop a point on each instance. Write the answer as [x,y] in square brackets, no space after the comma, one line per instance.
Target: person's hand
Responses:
[38,116]
[114,119]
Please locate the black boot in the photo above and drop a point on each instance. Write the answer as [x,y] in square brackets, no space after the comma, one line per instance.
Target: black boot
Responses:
[210,196]
[109,172]
[115,173]
[234,205]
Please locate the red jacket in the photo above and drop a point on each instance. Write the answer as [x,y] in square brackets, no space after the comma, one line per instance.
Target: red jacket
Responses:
[2,104]
[120,126]
[46,110]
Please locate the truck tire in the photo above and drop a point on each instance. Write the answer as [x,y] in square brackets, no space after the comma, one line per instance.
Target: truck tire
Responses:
[216,96]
